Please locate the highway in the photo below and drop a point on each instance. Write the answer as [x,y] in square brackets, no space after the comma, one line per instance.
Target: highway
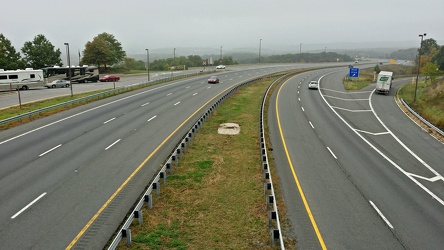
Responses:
[355,171]
[68,180]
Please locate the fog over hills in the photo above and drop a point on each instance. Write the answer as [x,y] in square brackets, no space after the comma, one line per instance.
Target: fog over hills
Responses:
[354,49]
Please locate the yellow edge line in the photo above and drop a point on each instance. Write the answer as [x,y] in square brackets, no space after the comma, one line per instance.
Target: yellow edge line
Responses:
[91,221]
[304,200]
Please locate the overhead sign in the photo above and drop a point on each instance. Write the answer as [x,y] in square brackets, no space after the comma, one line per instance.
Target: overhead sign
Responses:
[354,72]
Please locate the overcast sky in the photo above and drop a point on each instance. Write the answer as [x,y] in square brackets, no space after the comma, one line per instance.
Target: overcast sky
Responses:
[141,24]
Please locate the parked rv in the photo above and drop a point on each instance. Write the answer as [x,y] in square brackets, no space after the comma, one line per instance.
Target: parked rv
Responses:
[21,79]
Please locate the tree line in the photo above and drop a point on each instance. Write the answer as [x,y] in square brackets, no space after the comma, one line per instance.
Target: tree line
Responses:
[103,51]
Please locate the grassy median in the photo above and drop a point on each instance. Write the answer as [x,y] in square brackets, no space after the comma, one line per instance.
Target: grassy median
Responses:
[215,198]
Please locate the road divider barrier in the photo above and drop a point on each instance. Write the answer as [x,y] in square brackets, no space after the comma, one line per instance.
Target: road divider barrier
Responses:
[422,119]
[176,155]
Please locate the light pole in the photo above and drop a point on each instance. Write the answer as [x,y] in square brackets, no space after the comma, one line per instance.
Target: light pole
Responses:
[220,61]
[174,61]
[419,63]
[69,67]
[260,44]
[148,63]
[300,48]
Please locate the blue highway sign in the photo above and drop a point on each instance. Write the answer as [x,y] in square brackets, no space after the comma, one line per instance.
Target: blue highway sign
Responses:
[354,72]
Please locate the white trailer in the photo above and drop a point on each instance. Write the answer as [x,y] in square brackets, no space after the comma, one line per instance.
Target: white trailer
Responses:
[21,79]
[384,82]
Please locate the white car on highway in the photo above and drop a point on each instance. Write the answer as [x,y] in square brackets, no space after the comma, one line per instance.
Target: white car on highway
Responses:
[313,85]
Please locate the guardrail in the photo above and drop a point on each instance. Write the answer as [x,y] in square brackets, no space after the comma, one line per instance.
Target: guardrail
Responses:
[30,114]
[422,119]
[173,160]
[273,216]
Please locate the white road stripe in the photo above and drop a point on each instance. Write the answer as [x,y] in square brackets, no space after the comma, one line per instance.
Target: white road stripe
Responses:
[177,103]
[382,215]
[152,118]
[331,152]
[194,94]
[109,120]
[145,104]
[311,124]
[27,206]
[112,144]
[303,109]
[44,153]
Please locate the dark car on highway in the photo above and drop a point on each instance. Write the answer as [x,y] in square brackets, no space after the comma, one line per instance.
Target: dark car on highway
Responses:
[213,79]
[110,78]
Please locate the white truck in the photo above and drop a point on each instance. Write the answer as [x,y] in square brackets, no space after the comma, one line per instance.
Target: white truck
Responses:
[384,82]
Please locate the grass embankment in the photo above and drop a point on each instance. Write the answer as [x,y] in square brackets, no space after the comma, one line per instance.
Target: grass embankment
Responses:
[429,100]
[367,75]
[215,198]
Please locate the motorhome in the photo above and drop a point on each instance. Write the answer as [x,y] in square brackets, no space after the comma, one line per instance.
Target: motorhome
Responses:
[21,79]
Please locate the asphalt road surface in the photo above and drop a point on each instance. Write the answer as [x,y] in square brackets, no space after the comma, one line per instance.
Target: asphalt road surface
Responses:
[356,172]
[68,180]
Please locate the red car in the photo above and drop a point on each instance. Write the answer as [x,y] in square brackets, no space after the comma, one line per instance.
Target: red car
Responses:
[213,79]
[110,78]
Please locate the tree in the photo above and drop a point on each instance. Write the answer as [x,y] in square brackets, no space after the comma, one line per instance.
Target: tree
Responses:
[131,64]
[431,70]
[96,52]
[109,44]
[377,69]
[439,58]
[40,53]
[9,58]
[429,46]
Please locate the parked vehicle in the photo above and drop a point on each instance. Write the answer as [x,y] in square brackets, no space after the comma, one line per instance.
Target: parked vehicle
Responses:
[110,78]
[313,85]
[21,79]
[80,74]
[213,79]
[220,67]
[384,82]
[57,84]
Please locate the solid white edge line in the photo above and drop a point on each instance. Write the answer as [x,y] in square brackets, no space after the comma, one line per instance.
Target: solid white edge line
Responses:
[44,153]
[112,144]
[27,206]
[381,215]
[441,201]
[331,152]
[86,111]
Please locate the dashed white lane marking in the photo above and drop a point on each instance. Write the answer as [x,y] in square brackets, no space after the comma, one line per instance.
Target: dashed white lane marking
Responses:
[27,206]
[44,153]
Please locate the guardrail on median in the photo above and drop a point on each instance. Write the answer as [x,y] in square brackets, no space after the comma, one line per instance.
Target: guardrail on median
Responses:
[37,112]
[422,119]
[176,155]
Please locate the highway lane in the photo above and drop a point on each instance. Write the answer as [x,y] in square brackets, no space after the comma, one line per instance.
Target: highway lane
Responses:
[345,181]
[60,176]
